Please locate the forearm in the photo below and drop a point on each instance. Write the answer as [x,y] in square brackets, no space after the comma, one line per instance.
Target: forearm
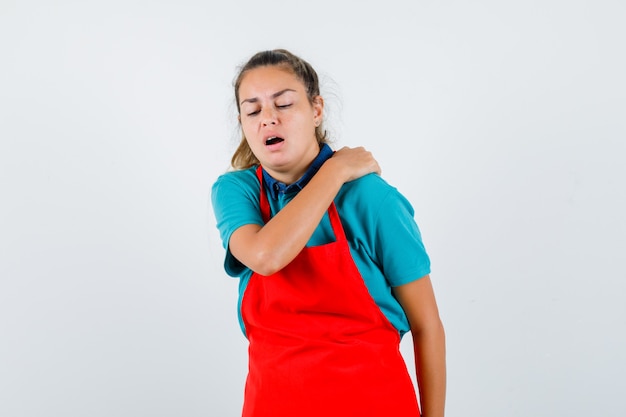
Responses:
[430,364]
[269,248]
[286,234]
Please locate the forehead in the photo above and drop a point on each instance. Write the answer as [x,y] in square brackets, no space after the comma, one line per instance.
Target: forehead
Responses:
[267,80]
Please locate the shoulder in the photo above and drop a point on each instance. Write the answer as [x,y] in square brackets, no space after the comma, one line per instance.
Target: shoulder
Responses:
[239,178]
[367,185]
[373,192]
[240,182]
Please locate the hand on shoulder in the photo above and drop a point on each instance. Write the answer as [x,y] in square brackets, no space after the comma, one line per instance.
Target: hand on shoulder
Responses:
[353,163]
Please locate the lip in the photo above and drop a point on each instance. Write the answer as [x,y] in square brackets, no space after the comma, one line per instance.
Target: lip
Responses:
[270,135]
[273,146]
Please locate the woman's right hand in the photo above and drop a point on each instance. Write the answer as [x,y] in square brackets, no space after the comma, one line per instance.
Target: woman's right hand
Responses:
[353,163]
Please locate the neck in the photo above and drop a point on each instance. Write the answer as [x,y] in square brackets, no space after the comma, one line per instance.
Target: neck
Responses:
[292,174]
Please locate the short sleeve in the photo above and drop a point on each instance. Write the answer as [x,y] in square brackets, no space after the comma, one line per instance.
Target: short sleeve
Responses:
[398,241]
[235,200]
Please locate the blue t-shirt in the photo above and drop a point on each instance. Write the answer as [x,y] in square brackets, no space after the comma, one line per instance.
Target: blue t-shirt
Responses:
[384,240]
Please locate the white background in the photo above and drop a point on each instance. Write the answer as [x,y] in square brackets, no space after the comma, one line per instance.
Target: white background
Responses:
[502,122]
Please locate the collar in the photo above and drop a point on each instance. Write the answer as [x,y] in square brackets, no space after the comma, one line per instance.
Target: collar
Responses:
[276,187]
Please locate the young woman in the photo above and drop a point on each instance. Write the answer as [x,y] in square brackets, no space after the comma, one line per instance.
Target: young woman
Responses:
[331,264]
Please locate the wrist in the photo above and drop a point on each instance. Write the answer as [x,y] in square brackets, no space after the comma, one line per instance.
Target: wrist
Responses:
[335,170]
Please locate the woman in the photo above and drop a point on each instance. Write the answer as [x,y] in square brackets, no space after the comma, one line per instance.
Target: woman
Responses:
[331,264]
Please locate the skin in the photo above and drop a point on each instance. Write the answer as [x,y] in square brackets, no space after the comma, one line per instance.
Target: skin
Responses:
[274,103]
[418,301]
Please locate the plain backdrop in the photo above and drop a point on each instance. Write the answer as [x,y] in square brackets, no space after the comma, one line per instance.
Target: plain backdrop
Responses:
[504,123]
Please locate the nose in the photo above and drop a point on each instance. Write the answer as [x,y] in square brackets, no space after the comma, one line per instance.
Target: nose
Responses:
[268,117]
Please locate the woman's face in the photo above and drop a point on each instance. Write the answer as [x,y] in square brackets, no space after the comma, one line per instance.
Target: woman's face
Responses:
[279,122]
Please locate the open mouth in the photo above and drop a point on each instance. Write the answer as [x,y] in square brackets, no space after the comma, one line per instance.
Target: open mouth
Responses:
[273,140]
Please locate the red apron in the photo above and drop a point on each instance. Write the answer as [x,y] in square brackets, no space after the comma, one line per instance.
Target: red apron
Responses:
[319,344]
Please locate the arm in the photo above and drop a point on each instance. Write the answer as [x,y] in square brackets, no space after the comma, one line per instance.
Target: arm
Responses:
[267,249]
[418,301]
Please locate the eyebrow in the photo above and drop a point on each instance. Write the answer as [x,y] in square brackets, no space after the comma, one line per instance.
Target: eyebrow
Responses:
[277,94]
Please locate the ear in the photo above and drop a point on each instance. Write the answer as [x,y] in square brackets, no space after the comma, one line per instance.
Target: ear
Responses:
[318,109]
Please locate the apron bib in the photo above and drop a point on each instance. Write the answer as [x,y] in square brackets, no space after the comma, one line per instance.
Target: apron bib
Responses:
[318,343]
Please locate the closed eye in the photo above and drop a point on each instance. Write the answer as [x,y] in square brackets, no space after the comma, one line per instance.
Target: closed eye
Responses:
[255,112]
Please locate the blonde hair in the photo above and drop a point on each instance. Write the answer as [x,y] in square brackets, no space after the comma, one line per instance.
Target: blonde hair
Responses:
[243,157]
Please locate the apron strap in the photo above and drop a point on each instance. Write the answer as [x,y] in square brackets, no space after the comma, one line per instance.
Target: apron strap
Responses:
[335,222]
[333,215]
[265,205]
